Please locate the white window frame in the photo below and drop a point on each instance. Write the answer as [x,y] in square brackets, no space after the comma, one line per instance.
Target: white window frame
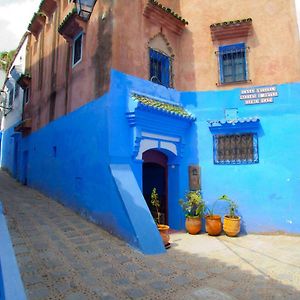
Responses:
[73,49]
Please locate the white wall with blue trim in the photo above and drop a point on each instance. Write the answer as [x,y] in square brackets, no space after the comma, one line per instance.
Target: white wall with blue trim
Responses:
[88,160]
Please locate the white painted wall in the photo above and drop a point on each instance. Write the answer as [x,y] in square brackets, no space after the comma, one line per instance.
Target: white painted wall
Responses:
[2,78]
[15,115]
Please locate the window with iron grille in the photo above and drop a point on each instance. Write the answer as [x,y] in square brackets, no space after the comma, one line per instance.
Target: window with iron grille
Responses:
[232,63]
[159,68]
[11,98]
[236,149]
[77,49]
[17,90]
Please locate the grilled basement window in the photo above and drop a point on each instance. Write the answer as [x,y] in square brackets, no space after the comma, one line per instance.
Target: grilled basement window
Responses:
[232,63]
[77,49]
[236,149]
[159,68]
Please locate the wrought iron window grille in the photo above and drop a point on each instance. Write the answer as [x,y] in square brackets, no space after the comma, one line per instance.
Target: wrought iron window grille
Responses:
[232,64]
[160,68]
[235,149]
[3,103]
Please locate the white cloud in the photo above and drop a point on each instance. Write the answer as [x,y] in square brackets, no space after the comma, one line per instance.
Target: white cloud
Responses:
[15,16]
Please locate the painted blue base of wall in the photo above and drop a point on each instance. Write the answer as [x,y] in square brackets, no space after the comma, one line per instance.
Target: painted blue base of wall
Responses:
[93,163]
[11,286]
[10,151]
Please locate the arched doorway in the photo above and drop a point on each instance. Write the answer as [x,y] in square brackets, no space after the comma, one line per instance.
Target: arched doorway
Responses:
[155,174]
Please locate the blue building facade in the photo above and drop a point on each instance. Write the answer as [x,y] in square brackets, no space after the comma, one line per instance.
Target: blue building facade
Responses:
[266,190]
[93,159]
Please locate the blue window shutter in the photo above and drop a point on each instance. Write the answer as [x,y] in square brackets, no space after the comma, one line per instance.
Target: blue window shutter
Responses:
[152,71]
[221,66]
[166,71]
[232,63]
[159,68]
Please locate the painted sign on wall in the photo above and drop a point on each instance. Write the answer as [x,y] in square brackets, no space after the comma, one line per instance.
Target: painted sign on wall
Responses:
[194,178]
[259,95]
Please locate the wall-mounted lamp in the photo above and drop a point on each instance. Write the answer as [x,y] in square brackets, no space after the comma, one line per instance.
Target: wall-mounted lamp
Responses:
[85,8]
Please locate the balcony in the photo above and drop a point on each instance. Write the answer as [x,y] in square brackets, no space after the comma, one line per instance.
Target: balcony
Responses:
[37,23]
[157,13]
[72,25]
[231,29]
[24,80]
[24,126]
[48,7]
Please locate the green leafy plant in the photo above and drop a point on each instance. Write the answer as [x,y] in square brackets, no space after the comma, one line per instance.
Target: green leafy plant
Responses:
[156,204]
[210,210]
[6,58]
[193,205]
[232,206]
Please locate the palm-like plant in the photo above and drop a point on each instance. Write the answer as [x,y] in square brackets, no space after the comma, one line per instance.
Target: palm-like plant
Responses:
[155,203]
[232,206]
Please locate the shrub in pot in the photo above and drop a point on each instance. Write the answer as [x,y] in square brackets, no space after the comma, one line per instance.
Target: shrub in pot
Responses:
[232,222]
[213,222]
[193,206]
[162,228]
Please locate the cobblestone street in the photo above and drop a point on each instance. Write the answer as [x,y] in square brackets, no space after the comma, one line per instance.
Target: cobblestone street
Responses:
[63,256]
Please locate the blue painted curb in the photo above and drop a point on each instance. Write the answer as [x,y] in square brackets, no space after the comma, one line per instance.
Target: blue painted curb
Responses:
[11,286]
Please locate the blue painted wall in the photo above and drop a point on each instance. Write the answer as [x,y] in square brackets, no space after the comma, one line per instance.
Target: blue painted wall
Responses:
[10,151]
[81,159]
[70,160]
[75,152]
[267,192]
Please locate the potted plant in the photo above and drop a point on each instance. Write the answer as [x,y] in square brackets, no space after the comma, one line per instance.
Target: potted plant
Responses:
[193,206]
[232,222]
[163,229]
[213,223]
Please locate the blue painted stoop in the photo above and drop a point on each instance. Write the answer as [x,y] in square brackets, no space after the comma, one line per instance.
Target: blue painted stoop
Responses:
[146,233]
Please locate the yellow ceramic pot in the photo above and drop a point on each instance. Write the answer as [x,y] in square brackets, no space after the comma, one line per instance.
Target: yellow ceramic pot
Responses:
[232,226]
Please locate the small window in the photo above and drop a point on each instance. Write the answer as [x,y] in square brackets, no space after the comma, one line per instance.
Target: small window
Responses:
[17,90]
[159,68]
[11,98]
[77,49]
[236,149]
[232,62]
[26,95]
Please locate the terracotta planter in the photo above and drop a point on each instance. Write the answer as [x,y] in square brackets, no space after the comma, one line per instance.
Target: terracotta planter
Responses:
[193,225]
[232,226]
[164,233]
[213,225]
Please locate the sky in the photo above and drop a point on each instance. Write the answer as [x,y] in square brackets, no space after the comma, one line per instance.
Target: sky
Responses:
[15,16]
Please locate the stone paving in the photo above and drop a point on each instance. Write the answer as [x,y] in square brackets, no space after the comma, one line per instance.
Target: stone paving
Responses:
[62,256]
